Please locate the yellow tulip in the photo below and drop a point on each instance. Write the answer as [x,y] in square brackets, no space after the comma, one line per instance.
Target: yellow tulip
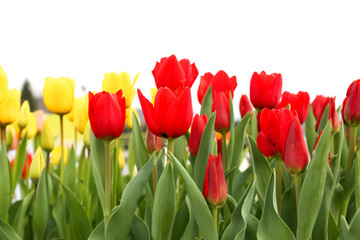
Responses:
[114,82]
[77,102]
[9,108]
[121,159]
[58,95]
[56,155]
[24,115]
[81,116]
[3,84]
[86,135]
[31,128]
[129,115]
[47,138]
[40,117]
[37,165]
[153,92]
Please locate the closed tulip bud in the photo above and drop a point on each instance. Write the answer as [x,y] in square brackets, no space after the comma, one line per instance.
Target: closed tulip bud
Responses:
[81,115]
[86,135]
[113,82]
[205,82]
[318,104]
[107,114]
[351,105]
[221,106]
[153,142]
[10,135]
[215,190]
[298,102]
[129,117]
[37,165]
[121,159]
[295,153]
[23,116]
[265,90]
[244,105]
[58,95]
[197,129]
[40,117]
[78,102]
[55,155]
[9,107]
[332,116]
[3,84]
[47,138]
[31,127]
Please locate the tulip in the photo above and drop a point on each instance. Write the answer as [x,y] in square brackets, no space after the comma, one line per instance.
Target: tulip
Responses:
[205,82]
[3,84]
[129,114]
[174,74]
[31,127]
[318,104]
[265,90]
[298,103]
[153,142]
[58,94]
[78,102]
[23,116]
[244,105]
[37,165]
[47,138]
[107,114]
[295,153]
[333,116]
[40,117]
[121,159]
[221,105]
[196,132]
[9,107]
[26,166]
[81,115]
[215,190]
[351,105]
[55,155]
[274,124]
[171,114]
[113,82]
[86,135]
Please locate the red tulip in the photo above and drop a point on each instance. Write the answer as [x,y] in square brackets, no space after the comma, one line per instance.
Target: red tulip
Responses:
[265,90]
[153,142]
[174,74]
[197,129]
[205,82]
[274,124]
[298,103]
[107,114]
[26,166]
[313,152]
[351,105]
[295,153]
[171,114]
[333,116]
[215,190]
[244,105]
[221,105]
[318,104]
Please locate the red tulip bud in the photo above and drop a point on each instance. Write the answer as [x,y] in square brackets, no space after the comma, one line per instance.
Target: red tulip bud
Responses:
[197,129]
[298,103]
[318,104]
[215,190]
[333,116]
[351,105]
[153,142]
[244,105]
[295,153]
[221,105]
[205,82]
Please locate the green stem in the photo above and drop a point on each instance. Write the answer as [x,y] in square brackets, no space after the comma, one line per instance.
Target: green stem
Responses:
[107,184]
[62,165]
[279,166]
[170,148]
[47,160]
[352,142]
[298,184]
[224,157]
[214,212]
[75,137]
[3,134]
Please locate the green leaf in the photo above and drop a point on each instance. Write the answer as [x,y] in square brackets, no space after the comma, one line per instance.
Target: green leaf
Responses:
[333,230]
[5,195]
[207,103]
[240,133]
[121,219]
[230,145]
[18,163]
[199,207]
[351,232]
[141,154]
[240,179]
[270,220]
[164,205]
[179,147]
[180,222]
[139,230]
[7,232]
[357,181]
[98,232]
[261,168]
[206,145]
[310,132]
[41,213]
[253,124]
[288,208]
[252,228]
[312,190]
[70,170]
[20,216]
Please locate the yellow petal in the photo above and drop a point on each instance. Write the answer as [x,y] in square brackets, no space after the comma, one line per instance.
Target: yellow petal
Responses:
[153,92]
[31,128]
[24,114]
[47,138]
[56,155]
[121,159]
[3,84]
[129,115]
[37,165]
[86,135]
[9,107]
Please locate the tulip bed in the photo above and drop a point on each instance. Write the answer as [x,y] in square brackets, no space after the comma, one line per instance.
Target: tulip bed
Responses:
[290,169]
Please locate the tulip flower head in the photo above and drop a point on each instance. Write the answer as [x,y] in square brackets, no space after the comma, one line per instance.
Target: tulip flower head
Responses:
[214,189]
[37,165]
[333,116]
[23,116]
[55,155]
[265,90]
[9,107]
[205,82]
[31,127]
[86,135]
[221,106]
[26,166]
[318,104]
[107,114]
[244,105]
[3,84]
[197,129]
[40,117]
[298,102]
[129,116]
[81,115]
[58,95]
[47,138]
[351,105]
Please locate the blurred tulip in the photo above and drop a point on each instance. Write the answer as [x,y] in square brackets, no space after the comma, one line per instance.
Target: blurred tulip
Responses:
[31,127]
[244,105]
[295,153]
[205,82]
[153,142]
[23,116]
[265,90]
[351,105]
[333,116]
[274,125]
[129,115]
[107,114]
[3,84]
[40,117]
[197,129]
[9,107]
[173,74]
[37,165]
[121,159]
[171,114]
[47,138]
[298,102]
[113,82]
[215,190]
[81,115]
[11,139]
[26,166]
[318,104]
[86,135]
[78,102]
[55,155]
[58,94]
[221,106]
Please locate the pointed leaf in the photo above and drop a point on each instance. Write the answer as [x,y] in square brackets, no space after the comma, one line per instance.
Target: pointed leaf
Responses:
[310,132]
[207,103]
[41,213]
[240,133]
[18,163]
[139,229]
[5,196]
[141,154]
[7,232]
